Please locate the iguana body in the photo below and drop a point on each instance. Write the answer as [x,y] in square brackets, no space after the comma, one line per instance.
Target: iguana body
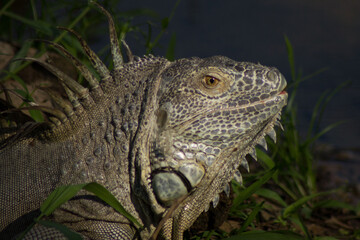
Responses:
[151,132]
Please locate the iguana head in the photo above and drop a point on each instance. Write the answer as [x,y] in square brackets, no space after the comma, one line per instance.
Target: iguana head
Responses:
[211,113]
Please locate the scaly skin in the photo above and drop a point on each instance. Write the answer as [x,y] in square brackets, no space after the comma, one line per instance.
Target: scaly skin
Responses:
[151,132]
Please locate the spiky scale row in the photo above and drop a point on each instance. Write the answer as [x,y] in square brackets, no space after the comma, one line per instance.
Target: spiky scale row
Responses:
[128,51]
[73,89]
[95,60]
[115,47]
[81,91]
[79,65]
[263,143]
[58,100]
[272,135]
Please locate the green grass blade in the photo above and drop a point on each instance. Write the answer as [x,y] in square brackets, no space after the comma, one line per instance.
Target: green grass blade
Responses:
[64,193]
[107,197]
[298,221]
[332,203]
[6,6]
[251,217]
[297,204]
[20,54]
[324,131]
[41,26]
[36,115]
[17,79]
[69,234]
[59,196]
[291,57]
[247,192]
[270,194]
[170,53]
[265,158]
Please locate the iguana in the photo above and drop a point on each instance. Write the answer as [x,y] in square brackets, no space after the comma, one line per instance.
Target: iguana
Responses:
[151,131]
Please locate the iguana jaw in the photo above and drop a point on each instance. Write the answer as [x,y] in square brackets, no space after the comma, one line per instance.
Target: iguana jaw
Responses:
[238,152]
[221,173]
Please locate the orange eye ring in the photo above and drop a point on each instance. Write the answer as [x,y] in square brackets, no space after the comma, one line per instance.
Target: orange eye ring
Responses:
[210,81]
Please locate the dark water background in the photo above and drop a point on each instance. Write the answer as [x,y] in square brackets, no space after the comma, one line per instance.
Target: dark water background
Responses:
[324,33]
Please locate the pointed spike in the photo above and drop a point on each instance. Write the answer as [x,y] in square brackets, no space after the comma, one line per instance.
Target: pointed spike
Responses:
[55,121]
[128,51]
[8,98]
[114,42]
[245,164]
[278,124]
[238,177]
[207,208]
[262,143]
[227,189]
[95,60]
[215,200]
[272,135]
[72,97]
[55,112]
[63,104]
[71,83]
[89,77]
[252,153]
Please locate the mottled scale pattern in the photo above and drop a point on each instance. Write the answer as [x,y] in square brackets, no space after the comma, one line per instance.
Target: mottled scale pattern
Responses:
[165,138]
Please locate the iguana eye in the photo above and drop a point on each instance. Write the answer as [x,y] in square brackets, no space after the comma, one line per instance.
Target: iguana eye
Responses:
[210,81]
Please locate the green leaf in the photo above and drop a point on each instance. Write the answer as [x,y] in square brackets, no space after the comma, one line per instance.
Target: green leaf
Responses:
[332,203]
[251,217]
[69,234]
[41,26]
[63,194]
[36,115]
[261,235]
[107,197]
[20,54]
[59,196]
[297,204]
[247,192]
[170,53]
[295,218]
[291,57]
[18,79]
[262,156]
[164,23]
[270,194]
